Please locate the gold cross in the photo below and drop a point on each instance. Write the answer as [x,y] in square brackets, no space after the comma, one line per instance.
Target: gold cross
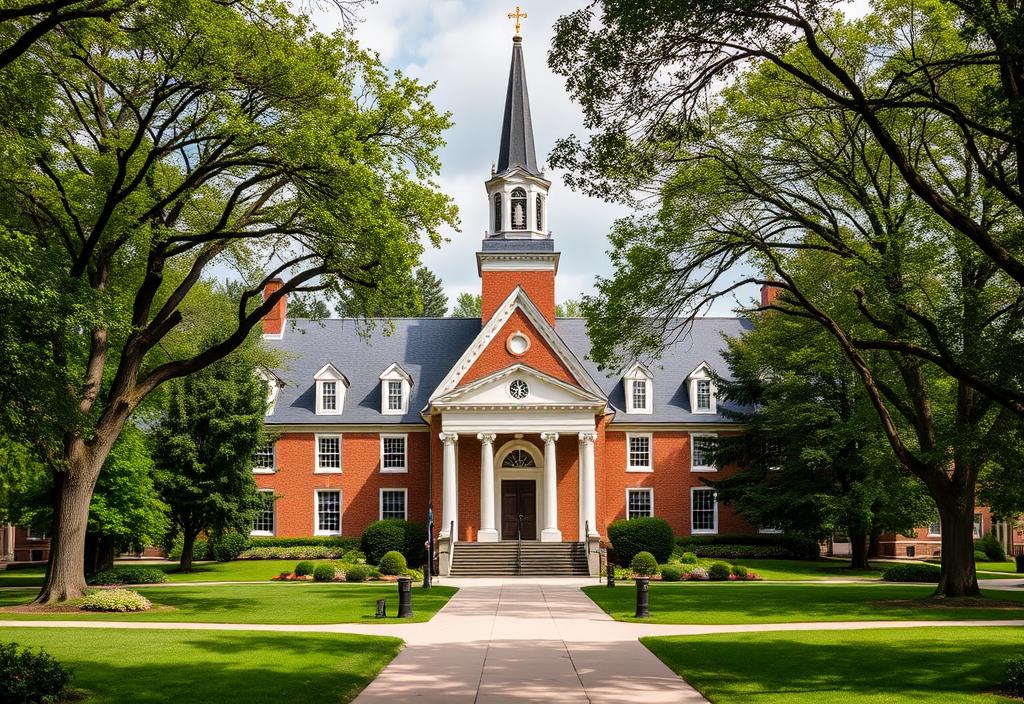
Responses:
[517,15]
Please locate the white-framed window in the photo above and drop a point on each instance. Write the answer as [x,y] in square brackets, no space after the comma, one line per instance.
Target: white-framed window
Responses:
[330,391]
[265,460]
[638,399]
[702,390]
[394,453]
[328,453]
[704,395]
[263,522]
[638,385]
[935,528]
[327,503]
[32,534]
[638,452]
[396,399]
[701,455]
[639,503]
[393,504]
[703,510]
[979,526]
[395,384]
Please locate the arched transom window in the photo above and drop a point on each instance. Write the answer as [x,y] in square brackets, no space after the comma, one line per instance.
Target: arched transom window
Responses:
[518,209]
[518,458]
[497,212]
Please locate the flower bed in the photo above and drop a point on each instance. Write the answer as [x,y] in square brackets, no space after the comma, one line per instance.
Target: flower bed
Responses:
[115,600]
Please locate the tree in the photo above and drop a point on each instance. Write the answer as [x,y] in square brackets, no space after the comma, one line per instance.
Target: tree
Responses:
[434,301]
[812,458]
[204,447]
[309,307]
[569,308]
[467,305]
[774,183]
[182,137]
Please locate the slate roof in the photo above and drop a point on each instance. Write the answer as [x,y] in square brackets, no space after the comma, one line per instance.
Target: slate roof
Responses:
[428,347]
[516,147]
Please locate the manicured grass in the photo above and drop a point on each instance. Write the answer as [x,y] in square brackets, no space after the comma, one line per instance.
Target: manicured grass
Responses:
[808,569]
[884,666]
[295,603]
[1008,566]
[703,603]
[149,666]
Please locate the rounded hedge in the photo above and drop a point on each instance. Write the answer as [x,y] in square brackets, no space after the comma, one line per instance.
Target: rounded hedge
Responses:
[629,537]
[304,569]
[393,562]
[739,571]
[689,558]
[1014,681]
[719,571]
[115,600]
[324,573]
[980,556]
[229,546]
[644,564]
[992,548]
[31,676]
[912,573]
[671,573]
[129,575]
[357,573]
[406,537]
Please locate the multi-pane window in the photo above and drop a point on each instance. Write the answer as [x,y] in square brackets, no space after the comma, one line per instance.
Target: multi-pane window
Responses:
[395,396]
[518,209]
[540,211]
[639,452]
[329,396]
[704,511]
[497,212]
[392,504]
[702,453]
[328,512]
[639,503]
[703,395]
[328,452]
[979,528]
[264,459]
[639,394]
[935,527]
[393,453]
[263,522]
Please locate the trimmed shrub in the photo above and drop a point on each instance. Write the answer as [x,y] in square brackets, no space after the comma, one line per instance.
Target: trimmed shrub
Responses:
[393,563]
[406,537]
[357,573]
[200,549]
[324,573]
[1014,681]
[719,571]
[304,569]
[643,564]
[31,676]
[338,542]
[689,558]
[742,552]
[229,546]
[980,556]
[912,573]
[119,600]
[790,545]
[739,571]
[671,573]
[992,548]
[298,552]
[629,537]
[129,575]
[698,574]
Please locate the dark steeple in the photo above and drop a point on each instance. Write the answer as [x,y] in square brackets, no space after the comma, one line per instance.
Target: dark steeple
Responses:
[516,147]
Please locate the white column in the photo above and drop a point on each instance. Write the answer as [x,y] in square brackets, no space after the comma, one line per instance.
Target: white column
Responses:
[588,485]
[487,533]
[550,534]
[450,495]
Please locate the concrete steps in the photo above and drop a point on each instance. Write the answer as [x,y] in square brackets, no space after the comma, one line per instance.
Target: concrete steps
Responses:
[538,559]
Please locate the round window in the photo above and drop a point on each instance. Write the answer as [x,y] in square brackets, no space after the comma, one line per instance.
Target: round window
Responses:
[519,389]
[517,343]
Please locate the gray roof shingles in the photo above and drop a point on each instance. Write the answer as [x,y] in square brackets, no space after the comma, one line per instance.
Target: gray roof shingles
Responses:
[427,348]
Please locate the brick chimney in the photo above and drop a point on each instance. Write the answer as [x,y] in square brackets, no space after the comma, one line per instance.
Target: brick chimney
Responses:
[769,294]
[273,323]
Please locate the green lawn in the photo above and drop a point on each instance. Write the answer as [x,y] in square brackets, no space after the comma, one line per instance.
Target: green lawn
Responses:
[885,666]
[148,666]
[696,603]
[296,603]
[808,569]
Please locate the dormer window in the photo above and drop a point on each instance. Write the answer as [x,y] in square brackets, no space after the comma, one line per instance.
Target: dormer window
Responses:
[330,391]
[395,385]
[701,387]
[497,212]
[518,209]
[638,384]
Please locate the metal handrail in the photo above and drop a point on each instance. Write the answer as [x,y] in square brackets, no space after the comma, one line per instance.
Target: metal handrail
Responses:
[519,544]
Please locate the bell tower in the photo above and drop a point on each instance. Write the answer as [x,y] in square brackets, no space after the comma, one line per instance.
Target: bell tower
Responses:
[517,249]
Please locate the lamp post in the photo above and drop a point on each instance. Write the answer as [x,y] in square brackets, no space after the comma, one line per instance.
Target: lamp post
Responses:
[642,604]
[430,546]
[405,597]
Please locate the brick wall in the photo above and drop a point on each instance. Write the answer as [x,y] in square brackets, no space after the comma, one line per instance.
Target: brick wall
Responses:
[496,356]
[497,285]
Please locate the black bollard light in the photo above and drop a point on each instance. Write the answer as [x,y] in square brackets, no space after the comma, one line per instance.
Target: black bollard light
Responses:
[642,604]
[610,576]
[405,597]
[382,608]
[1020,563]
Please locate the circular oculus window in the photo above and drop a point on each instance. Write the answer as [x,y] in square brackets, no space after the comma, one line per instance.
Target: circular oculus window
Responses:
[519,389]
[517,343]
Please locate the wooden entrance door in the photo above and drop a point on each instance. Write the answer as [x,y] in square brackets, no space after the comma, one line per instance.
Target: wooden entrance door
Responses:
[518,498]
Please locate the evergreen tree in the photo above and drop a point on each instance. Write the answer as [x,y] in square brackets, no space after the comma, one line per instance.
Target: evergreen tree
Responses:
[467,305]
[433,300]
[569,308]
[309,307]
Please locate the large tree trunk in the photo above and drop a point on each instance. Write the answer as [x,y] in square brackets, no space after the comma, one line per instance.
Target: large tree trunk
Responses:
[188,542]
[858,550]
[873,543]
[958,577]
[65,578]
[99,553]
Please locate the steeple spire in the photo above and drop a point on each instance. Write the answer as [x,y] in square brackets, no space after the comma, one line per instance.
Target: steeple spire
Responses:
[516,148]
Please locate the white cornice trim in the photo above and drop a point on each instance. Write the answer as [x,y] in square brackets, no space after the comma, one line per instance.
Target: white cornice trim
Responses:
[321,427]
[671,427]
[586,399]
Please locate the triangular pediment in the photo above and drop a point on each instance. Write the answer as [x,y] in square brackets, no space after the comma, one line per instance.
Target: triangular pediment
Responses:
[519,386]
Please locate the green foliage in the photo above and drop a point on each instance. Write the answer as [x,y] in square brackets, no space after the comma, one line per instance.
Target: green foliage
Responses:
[200,549]
[407,537]
[980,556]
[300,552]
[357,573]
[307,306]
[991,546]
[739,571]
[467,305]
[304,568]
[342,543]
[719,571]
[912,572]
[393,562]
[228,546]
[653,535]
[31,676]
[569,308]
[689,558]
[115,600]
[1014,680]
[433,300]
[643,564]
[671,573]
[324,572]
[786,545]
[129,575]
